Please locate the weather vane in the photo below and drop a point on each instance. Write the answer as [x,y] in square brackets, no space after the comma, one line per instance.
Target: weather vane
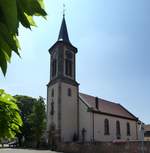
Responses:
[64,9]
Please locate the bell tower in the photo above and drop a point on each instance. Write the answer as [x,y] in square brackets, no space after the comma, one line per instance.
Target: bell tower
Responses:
[62,90]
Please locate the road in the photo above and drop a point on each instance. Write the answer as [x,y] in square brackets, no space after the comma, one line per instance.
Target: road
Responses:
[9,150]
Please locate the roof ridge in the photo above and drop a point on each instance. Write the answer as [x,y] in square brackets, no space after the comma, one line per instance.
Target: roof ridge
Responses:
[128,111]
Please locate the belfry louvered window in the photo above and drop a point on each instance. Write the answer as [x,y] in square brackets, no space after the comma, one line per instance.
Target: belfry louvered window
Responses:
[54,67]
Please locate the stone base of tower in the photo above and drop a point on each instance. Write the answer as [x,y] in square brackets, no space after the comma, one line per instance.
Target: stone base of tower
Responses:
[53,139]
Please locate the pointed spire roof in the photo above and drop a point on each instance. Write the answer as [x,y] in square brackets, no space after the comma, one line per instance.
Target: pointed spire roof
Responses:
[63,33]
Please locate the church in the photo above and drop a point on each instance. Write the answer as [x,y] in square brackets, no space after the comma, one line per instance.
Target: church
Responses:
[74,116]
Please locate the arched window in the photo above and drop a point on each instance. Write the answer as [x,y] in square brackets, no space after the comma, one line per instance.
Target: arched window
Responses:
[52,108]
[68,67]
[118,133]
[69,92]
[128,129]
[106,127]
[54,67]
[52,93]
[68,63]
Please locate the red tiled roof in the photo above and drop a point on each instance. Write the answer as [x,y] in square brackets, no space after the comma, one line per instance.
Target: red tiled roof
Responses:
[106,107]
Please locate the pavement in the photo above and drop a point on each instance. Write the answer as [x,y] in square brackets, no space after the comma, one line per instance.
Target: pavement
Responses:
[10,150]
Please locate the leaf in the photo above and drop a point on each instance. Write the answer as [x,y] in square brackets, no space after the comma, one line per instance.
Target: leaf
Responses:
[32,7]
[13,12]
[41,2]
[30,20]
[10,119]
[17,42]
[21,16]
[3,62]
[8,38]
[6,49]
[9,11]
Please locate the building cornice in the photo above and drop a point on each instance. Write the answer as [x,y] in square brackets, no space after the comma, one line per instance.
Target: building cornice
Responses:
[63,79]
[114,115]
[61,43]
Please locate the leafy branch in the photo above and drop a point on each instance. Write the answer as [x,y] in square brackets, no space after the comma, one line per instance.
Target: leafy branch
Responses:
[12,13]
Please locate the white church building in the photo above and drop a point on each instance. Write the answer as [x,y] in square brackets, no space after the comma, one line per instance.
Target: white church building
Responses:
[75,116]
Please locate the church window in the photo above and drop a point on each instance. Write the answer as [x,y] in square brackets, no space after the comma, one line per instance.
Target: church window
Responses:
[69,54]
[118,133]
[68,67]
[106,127]
[128,129]
[69,92]
[68,63]
[52,93]
[52,108]
[54,67]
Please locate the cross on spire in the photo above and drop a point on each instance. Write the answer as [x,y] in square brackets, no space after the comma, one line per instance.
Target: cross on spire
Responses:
[63,33]
[64,9]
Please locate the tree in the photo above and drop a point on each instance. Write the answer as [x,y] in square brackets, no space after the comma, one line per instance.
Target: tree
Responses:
[25,104]
[12,13]
[10,119]
[37,120]
[34,118]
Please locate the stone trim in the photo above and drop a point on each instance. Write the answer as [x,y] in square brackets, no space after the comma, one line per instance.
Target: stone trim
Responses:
[59,111]
[61,43]
[63,79]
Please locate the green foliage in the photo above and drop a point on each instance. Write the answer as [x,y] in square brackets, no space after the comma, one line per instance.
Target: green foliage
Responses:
[13,12]
[37,120]
[34,119]
[10,119]
[25,104]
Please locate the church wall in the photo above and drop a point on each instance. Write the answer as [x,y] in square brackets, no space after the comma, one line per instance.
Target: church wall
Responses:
[85,121]
[106,147]
[55,100]
[99,128]
[68,112]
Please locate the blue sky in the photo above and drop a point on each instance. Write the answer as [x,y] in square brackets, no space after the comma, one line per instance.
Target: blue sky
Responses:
[113,41]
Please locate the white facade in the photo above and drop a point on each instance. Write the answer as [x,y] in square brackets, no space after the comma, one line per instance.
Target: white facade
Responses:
[68,112]
[69,117]
[93,123]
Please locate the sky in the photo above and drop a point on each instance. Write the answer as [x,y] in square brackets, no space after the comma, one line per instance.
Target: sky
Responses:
[113,59]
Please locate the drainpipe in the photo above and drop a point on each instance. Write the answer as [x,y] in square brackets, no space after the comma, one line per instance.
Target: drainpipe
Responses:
[93,126]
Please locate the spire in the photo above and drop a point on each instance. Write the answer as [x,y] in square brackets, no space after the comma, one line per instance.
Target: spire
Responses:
[63,33]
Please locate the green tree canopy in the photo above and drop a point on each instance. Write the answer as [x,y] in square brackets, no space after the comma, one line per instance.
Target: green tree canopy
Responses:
[37,120]
[12,13]
[34,119]
[10,119]
[25,104]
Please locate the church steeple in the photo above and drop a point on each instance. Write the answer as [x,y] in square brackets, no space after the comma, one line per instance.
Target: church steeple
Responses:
[63,57]
[62,89]
[63,33]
